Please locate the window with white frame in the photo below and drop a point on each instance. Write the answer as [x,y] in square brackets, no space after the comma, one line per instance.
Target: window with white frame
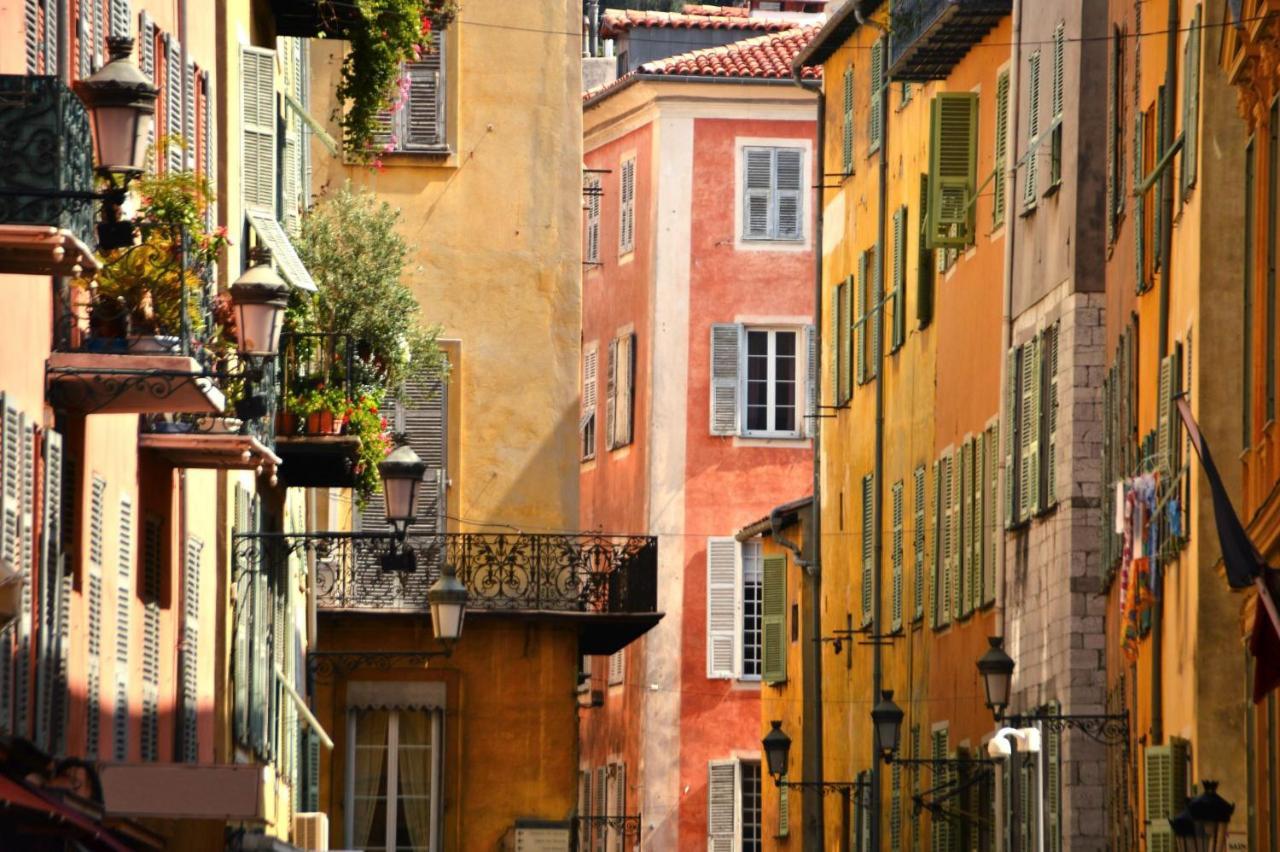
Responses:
[417,123]
[734,805]
[620,391]
[752,603]
[762,380]
[587,424]
[735,608]
[591,241]
[393,793]
[773,193]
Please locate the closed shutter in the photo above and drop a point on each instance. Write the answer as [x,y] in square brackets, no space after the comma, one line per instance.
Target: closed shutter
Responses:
[895,607]
[898,284]
[924,263]
[1164,420]
[590,379]
[941,825]
[424,116]
[860,324]
[584,809]
[953,165]
[757,183]
[602,807]
[83,38]
[617,666]
[722,806]
[147,45]
[725,358]
[895,808]
[191,650]
[172,103]
[258,128]
[93,678]
[810,381]
[124,619]
[26,552]
[31,14]
[626,390]
[946,533]
[51,573]
[1030,183]
[958,538]
[1012,396]
[973,522]
[619,802]
[998,203]
[723,651]
[964,539]
[918,543]
[843,315]
[593,221]
[1049,450]
[774,619]
[991,515]
[627,207]
[1053,780]
[152,567]
[1166,780]
[121,17]
[846,128]
[1139,203]
[788,197]
[1191,103]
[868,534]
[1114,94]
[876,129]
[784,809]
[1027,403]
[939,527]
[291,144]
[611,396]
[877,311]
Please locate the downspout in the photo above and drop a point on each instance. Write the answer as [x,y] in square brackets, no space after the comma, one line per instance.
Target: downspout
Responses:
[1166,281]
[813,819]
[877,500]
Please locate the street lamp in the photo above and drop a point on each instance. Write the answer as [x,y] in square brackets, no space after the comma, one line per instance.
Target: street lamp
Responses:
[996,668]
[402,473]
[121,103]
[448,599]
[260,298]
[1202,825]
[887,719]
[777,747]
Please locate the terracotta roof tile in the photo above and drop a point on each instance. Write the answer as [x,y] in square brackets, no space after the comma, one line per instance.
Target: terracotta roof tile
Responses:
[618,21]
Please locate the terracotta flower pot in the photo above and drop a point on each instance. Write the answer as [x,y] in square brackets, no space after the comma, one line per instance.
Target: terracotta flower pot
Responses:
[323,423]
[286,423]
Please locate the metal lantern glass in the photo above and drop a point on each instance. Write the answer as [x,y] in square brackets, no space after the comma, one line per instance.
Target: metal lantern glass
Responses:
[122,104]
[996,668]
[402,473]
[448,599]
[260,298]
[887,719]
[777,748]
[1202,826]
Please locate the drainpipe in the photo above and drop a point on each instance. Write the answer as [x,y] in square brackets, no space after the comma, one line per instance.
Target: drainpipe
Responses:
[1166,281]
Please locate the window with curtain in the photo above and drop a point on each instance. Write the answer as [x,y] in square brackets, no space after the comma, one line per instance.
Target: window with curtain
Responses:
[393,800]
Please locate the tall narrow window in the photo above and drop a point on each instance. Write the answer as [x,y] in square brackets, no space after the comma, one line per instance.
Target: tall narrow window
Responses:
[752,600]
[846,127]
[1273,216]
[1002,149]
[1056,96]
[773,197]
[393,795]
[772,382]
[751,805]
[590,381]
[1250,215]
[1030,183]
[875,132]
[591,243]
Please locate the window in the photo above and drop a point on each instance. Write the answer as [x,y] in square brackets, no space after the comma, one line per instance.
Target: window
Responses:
[617,667]
[591,243]
[1055,93]
[627,207]
[761,386]
[746,611]
[587,424]
[1002,149]
[752,600]
[772,379]
[875,130]
[1032,412]
[419,124]
[620,402]
[772,196]
[733,805]
[393,797]
[1030,184]
[842,314]
[750,780]
[846,127]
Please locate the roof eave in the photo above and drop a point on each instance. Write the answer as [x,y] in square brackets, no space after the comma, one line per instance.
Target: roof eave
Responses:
[833,33]
[636,77]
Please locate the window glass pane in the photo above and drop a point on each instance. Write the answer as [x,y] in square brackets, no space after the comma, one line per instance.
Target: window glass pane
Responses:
[751,806]
[413,811]
[784,392]
[757,380]
[369,796]
[752,588]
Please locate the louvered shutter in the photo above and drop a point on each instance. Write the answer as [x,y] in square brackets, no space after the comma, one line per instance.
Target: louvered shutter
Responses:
[895,608]
[868,534]
[876,129]
[611,395]
[846,129]
[1053,782]
[191,650]
[957,471]
[602,807]
[147,45]
[1191,103]
[93,678]
[619,803]
[51,573]
[918,542]
[877,312]
[124,619]
[626,390]
[593,221]
[844,334]
[946,603]
[973,522]
[991,515]
[1030,184]
[726,346]
[810,381]
[723,571]
[84,39]
[1002,149]
[1114,95]
[1055,132]
[939,527]
[258,128]
[1139,202]
[425,113]
[774,618]
[627,207]
[188,154]
[617,667]
[722,806]
[1049,450]
[788,196]
[941,825]
[1164,424]
[584,809]
[895,808]
[757,186]
[1026,428]
[590,379]
[924,264]
[243,608]
[174,115]
[1166,780]
[26,551]
[898,284]
[152,566]
[31,14]
[860,324]
[953,167]
[1157,188]
[784,809]
[121,18]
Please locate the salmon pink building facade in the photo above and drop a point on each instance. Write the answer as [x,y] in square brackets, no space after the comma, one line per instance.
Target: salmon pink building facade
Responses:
[697,363]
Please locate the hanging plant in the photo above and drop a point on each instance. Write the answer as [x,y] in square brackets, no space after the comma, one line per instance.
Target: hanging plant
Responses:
[389,34]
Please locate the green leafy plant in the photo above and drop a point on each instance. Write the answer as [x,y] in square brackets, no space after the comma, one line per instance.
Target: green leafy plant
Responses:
[389,33]
[318,399]
[364,420]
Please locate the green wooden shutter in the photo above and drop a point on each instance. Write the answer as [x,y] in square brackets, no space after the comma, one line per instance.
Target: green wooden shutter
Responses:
[876,130]
[1012,426]
[1157,188]
[940,826]
[1053,780]
[1002,149]
[611,395]
[868,533]
[991,515]
[953,150]
[1166,780]
[895,609]
[964,509]
[877,311]
[844,337]
[898,285]
[956,472]
[1049,451]
[1037,438]
[774,619]
[924,262]
[918,543]
[1191,103]
[784,809]
[1164,421]
[1139,205]
[977,469]
[1030,184]
[846,129]
[938,525]
[860,324]
[1055,89]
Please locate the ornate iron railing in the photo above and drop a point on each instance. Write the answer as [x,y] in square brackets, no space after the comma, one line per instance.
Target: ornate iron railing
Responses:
[251,413]
[571,573]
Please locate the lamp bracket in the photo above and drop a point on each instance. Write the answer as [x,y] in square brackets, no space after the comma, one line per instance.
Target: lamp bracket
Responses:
[1108,729]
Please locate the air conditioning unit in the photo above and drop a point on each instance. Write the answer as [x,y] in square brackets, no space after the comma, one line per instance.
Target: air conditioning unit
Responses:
[311,831]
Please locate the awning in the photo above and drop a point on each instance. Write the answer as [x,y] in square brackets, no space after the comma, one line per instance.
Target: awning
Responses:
[282,251]
[46,813]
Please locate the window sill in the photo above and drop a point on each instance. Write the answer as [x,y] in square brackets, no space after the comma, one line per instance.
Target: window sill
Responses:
[1053,189]
[441,158]
[1027,210]
[779,441]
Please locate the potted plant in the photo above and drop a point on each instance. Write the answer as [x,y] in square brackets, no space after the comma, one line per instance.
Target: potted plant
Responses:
[320,408]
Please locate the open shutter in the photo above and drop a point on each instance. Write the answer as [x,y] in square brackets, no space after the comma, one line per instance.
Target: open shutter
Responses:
[258,128]
[121,17]
[1026,428]
[722,607]
[10,543]
[898,284]
[810,381]
[1164,420]
[1030,182]
[1049,450]
[998,202]
[627,391]
[722,806]
[895,808]
[895,608]
[611,396]
[947,533]
[48,655]
[1139,203]
[243,609]
[590,379]
[868,534]
[939,532]
[725,358]
[918,542]
[593,221]
[991,514]
[191,650]
[1166,781]
[844,335]
[1053,780]
[784,810]
[757,184]
[26,552]
[424,112]
[957,470]
[124,619]
[584,809]
[774,618]
[877,311]
[952,169]
[174,117]
[860,324]
[1191,103]
[619,803]
[32,12]
[924,262]
[846,127]
[876,129]
[788,193]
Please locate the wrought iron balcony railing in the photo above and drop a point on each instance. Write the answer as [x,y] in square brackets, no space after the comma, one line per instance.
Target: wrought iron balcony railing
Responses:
[311,363]
[928,37]
[579,573]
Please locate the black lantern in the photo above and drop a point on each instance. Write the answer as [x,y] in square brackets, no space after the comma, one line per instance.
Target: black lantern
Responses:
[996,668]
[887,719]
[402,473]
[448,599]
[122,106]
[259,297]
[777,748]
[1202,825]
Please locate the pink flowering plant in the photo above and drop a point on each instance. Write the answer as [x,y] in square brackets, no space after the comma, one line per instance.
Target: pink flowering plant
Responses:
[364,420]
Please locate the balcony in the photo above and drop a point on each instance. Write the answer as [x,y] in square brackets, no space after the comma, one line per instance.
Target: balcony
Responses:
[311,18]
[930,36]
[319,448]
[605,585]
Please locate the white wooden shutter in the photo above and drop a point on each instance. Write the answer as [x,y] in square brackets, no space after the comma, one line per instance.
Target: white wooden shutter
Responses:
[93,675]
[611,395]
[590,380]
[726,345]
[26,553]
[811,381]
[98,39]
[258,128]
[627,207]
[11,568]
[121,17]
[757,183]
[723,607]
[124,601]
[617,667]
[593,221]
[424,112]
[722,806]
[788,193]
[31,35]
[626,366]
[51,604]
[174,116]
[147,45]
[191,650]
